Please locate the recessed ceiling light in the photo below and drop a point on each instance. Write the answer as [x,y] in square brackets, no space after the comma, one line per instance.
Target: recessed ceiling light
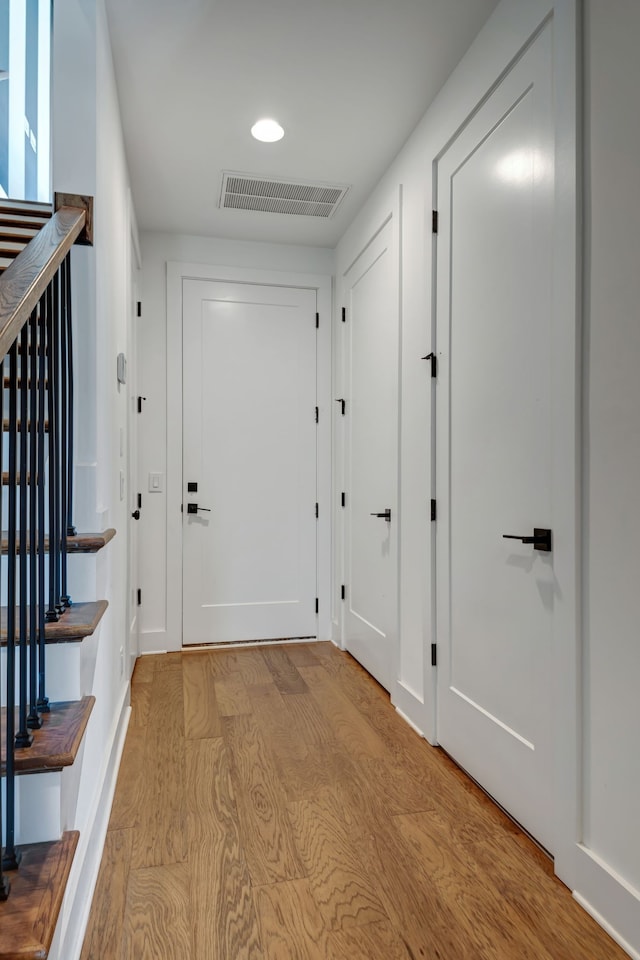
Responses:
[267,130]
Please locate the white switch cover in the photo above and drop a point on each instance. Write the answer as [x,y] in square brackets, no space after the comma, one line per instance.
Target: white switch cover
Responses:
[155,483]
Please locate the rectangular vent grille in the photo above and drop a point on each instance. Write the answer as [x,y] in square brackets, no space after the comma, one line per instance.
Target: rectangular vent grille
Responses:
[245,192]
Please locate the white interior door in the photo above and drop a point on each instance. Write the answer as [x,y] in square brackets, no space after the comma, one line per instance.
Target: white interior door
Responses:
[132,470]
[495,597]
[249,447]
[372,457]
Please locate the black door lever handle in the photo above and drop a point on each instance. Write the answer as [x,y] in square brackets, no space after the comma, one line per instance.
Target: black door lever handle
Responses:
[194,508]
[383,516]
[541,539]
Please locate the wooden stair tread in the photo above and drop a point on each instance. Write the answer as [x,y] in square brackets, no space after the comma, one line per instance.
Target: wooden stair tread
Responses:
[6,425]
[5,479]
[37,207]
[77,622]
[28,918]
[81,543]
[29,222]
[90,542]
[7,382]
[17,233]
[57,742]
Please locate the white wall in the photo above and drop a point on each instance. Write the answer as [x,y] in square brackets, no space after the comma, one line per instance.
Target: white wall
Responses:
[88,157]
[604,863]
[154,369]
[610,782]
[611,707]
[489,55]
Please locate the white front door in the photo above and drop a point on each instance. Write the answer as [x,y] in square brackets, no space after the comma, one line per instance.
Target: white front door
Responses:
[249,462]
[495,596]
[371,411]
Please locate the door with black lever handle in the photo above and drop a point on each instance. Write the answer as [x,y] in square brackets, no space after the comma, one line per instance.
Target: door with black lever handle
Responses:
[541,539]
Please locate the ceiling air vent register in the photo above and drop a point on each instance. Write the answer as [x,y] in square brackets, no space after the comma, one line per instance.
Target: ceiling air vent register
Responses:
[268,195]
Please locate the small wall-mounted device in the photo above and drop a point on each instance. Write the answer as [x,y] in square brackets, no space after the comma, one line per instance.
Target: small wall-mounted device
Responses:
[122,368]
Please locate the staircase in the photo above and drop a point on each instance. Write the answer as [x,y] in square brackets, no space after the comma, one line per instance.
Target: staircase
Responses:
[43,669]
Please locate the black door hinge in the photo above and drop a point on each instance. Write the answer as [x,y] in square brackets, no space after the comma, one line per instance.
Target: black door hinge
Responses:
[343,499]
[433,510]
[343,592]
[317,605]
[140,399]
[317,321]
[434,655]
[139,308]
[343,405]
[434,221]
[139,501]
[317,414]
[139,597]
[434,363]
[317,511]
[344,314]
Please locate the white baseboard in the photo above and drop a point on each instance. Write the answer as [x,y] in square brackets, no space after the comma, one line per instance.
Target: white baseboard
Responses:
[609,897]
[410,722]
[613,933]
[154,641]
[67,944]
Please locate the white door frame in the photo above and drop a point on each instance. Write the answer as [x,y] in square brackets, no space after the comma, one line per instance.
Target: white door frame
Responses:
[566,436]
[176,273]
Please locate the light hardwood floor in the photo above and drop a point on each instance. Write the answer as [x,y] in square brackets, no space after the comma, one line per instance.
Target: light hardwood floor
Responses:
[271,804]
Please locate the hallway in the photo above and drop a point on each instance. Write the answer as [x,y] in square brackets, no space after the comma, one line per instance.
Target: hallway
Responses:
[272,804]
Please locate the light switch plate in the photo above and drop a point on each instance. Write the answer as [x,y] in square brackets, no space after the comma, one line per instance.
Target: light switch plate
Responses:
[155,483]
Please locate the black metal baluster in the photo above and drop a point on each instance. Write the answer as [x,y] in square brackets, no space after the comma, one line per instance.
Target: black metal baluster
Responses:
[5,884]
[71,530]
[64,433]
[52,612]
[10,859]
[23,737]
[45,310]
[33,720]
[55,430]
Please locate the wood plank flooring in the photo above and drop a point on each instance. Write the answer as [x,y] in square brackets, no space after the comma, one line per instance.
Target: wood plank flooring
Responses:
[271,805]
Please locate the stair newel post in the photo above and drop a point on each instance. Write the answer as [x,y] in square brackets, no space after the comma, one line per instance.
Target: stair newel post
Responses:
[5,885]
[45,310]
[33,720]
[10,859]
[23,737]
[65,428]
[52,386]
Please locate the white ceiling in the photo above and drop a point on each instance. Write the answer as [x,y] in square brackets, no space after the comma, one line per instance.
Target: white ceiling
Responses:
[348,80]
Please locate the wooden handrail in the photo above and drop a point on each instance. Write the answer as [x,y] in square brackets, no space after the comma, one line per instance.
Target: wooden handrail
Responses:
[28,276]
